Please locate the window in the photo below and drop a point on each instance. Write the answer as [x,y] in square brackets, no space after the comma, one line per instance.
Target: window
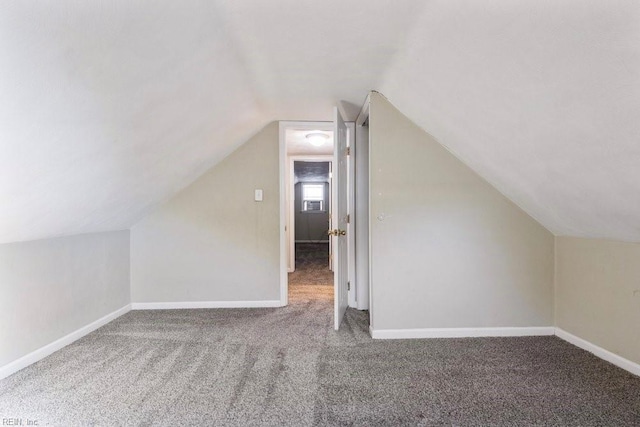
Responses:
[312,197]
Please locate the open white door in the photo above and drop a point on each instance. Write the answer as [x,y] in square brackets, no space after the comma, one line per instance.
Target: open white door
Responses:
[339,220]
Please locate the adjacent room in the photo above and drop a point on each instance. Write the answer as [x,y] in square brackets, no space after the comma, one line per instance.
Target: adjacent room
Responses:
[362,213]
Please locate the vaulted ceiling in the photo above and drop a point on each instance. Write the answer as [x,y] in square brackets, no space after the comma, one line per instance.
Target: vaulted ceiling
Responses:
[110,107]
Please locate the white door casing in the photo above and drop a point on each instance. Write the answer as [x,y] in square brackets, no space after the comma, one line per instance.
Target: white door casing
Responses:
[351,209]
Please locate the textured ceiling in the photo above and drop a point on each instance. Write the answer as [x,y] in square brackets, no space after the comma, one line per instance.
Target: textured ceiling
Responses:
[311,171]
[110,107]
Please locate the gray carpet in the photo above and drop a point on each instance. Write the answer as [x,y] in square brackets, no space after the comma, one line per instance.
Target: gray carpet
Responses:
[312,265]
[287,366]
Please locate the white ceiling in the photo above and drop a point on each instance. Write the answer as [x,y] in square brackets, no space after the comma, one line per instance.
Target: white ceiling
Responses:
[542,98]
[110,107]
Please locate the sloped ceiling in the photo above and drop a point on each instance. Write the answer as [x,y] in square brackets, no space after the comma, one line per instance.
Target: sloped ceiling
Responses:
[542,98]
[110,107]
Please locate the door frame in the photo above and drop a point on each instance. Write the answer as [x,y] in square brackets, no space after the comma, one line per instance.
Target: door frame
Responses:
[283,168]
[284,197]
[291,218]
[363,260]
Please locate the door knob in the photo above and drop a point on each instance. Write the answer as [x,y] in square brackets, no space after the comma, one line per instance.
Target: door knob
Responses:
[332,232]
[342,232]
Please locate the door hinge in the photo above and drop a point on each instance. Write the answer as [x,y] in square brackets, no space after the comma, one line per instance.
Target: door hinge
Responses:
[348,219]
[348,151]
[348,286]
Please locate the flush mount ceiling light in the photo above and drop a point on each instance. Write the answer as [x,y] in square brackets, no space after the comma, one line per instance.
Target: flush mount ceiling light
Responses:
[317,138]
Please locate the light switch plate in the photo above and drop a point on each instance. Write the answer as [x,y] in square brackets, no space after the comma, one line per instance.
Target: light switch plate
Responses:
[258,196]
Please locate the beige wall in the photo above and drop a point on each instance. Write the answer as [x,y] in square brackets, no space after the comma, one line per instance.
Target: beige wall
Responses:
[447,249]
[598,293]
[50,288]
[213,242]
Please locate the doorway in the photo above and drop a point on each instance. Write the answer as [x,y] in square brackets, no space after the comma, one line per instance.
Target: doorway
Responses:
[297,145]
[308,158]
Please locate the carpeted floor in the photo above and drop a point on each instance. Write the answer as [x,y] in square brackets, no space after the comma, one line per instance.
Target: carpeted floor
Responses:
[312,265]
[286,366]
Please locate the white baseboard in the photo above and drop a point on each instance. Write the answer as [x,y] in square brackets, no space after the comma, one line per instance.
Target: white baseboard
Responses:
[610,357]
[204,304]
[461,332]
[48,349]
